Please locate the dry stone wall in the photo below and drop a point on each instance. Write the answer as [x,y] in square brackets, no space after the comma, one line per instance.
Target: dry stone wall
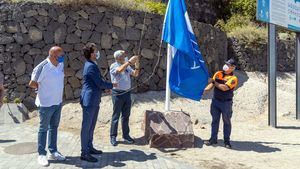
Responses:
[28,30]
[254,57]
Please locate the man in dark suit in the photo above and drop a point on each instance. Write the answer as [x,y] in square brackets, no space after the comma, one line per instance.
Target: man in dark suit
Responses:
[90,100]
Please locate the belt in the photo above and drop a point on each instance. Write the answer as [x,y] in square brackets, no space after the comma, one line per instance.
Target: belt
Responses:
[122,92]
[223,100]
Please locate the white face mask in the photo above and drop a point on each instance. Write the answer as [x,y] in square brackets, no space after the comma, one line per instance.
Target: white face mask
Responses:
[225,67]
[98,55]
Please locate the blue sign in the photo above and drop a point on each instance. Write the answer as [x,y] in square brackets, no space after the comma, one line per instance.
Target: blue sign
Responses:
[285,13]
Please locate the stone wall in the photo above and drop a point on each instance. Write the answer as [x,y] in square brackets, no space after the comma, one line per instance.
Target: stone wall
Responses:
[254,57]
[28,30]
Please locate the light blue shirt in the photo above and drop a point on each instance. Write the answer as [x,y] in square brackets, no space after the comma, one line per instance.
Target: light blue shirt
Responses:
[122,79]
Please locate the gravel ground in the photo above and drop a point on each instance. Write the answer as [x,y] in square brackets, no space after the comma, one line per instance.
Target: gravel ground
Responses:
[255,145]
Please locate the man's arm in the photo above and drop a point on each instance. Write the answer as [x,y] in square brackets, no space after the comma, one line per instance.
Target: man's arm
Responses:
[210,85]
[123,67]
[33,84]
[96,77]
[222,87]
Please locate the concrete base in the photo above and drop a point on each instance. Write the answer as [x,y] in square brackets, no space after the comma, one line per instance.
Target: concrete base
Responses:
[168,130]
[13,113]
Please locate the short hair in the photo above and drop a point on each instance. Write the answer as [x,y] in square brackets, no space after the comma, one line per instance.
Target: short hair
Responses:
[118,53]
[88,49]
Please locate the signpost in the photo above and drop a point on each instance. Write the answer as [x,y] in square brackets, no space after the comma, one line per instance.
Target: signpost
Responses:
[284,13]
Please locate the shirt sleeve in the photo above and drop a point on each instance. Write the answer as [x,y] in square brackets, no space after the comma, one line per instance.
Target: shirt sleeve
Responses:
[217,75]
[130,70]
[37,74]
[113,74]
[232,82]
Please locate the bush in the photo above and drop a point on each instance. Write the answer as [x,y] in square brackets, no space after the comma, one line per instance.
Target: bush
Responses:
[5,100]
[251,34]
[243,7]
[140,5]
[17,101]
[234,22]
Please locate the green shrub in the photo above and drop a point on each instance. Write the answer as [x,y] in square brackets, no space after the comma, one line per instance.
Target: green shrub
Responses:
[156,7]
[17,101]
[251,34]
[243,7]
[234,22]
[5,99]
[139,5]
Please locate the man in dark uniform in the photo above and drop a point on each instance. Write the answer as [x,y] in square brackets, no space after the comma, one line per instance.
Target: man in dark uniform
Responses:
[224,83]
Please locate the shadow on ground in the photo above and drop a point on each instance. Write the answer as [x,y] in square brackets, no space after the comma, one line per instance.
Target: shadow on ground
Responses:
[7,141]
[289,127]
[114,159]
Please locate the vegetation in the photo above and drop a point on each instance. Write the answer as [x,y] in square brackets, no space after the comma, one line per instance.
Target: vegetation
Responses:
[17,101]
[240,22]
[139,5]
[5,100]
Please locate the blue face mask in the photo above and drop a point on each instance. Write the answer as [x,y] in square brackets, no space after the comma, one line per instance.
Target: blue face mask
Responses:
[98,55]
[61,59]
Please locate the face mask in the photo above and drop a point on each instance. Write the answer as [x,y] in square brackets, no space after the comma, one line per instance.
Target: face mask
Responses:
[126,59]
[225,68]
[61,59]
[98,55]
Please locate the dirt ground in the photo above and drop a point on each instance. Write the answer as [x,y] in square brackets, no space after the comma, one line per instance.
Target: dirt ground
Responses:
[255,145]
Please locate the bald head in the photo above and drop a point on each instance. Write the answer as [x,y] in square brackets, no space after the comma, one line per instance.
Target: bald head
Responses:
[55,51]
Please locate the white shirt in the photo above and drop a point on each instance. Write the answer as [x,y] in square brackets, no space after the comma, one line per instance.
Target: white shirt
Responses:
[50,79]
[122,79]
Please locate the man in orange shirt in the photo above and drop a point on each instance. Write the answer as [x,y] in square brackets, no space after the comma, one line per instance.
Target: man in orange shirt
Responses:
[224,83]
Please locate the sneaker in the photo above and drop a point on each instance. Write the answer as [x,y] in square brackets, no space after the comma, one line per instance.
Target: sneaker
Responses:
[57,156]
[129,140]
[113,141]
[210,142]
[42,160]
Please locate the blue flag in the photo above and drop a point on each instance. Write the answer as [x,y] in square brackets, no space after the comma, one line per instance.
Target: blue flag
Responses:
[189,75]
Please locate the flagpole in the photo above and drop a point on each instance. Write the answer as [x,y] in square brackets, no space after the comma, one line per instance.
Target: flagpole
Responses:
[168,91]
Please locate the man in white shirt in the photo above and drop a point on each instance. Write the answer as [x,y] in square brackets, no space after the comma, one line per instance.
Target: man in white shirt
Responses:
[48,80]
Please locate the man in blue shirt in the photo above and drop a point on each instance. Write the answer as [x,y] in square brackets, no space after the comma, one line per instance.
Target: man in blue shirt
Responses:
[90,99]
[121,72]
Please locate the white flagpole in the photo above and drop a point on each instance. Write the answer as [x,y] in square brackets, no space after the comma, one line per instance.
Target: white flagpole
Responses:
[168,91]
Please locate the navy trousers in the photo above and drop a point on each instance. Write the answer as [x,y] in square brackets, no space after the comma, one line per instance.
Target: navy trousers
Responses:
[89,119]
[121,106]
[219,108]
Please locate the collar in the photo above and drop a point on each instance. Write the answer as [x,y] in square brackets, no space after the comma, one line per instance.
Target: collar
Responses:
[224,74]
[93,62]
[51,64]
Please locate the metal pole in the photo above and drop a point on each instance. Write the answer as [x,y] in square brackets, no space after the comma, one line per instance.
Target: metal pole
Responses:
[168,91]
[298,76]
[272,60]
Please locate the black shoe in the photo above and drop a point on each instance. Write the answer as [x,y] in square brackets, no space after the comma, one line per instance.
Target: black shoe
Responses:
[113,141]
[88,158]
[210,142]
[129,140]
[95,151]
[227,145]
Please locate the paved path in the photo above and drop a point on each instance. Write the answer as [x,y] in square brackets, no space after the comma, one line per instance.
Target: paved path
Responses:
[19,134]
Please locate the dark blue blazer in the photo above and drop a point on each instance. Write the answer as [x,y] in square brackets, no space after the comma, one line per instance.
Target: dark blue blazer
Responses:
[92,85]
